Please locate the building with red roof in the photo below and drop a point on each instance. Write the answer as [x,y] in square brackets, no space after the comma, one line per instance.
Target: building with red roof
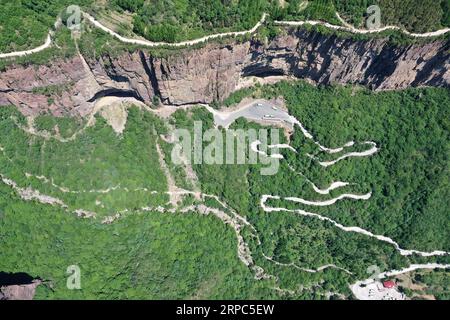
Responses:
[389,284]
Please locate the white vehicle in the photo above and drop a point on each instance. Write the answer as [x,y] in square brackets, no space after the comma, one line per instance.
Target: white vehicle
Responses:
[274,108]
[268,116]
[259,104]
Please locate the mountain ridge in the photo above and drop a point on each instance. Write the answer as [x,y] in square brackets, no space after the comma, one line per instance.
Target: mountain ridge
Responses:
[213,72]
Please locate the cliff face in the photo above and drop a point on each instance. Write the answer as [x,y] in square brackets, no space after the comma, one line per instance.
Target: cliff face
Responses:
[19,292]
[375,63]
[215,71]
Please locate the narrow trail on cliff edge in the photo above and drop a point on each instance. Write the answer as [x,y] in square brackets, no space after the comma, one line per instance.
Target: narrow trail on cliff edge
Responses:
[347,27]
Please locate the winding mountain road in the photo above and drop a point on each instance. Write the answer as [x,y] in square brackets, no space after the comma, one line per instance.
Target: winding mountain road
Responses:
[176,44]
[46,45]
[238,222]
[347,27]
[146,43]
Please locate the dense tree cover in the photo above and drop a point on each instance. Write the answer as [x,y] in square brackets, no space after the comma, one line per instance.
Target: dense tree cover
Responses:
[414,15]
[177,20]
[20,27]
[96,160]
[146,255]
[308,242]
[446,9]
[25,24]
[65,127]
[129,5]
[150,256]
[408,178]
[176,256]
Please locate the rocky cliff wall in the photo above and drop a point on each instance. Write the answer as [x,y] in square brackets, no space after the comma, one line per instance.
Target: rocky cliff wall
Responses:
[215,71]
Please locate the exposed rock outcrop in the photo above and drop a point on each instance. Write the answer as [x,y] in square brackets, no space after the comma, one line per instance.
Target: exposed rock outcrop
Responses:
[17,286]
[19,292]
[215,71]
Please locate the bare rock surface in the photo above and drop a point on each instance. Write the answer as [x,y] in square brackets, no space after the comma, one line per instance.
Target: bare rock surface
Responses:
[19,292]
[215,71]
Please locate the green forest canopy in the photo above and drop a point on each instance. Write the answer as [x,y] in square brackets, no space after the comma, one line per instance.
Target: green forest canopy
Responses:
[154,255]
[25,23]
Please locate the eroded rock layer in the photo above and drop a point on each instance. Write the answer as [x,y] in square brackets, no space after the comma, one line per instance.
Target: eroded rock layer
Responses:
[215,71]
